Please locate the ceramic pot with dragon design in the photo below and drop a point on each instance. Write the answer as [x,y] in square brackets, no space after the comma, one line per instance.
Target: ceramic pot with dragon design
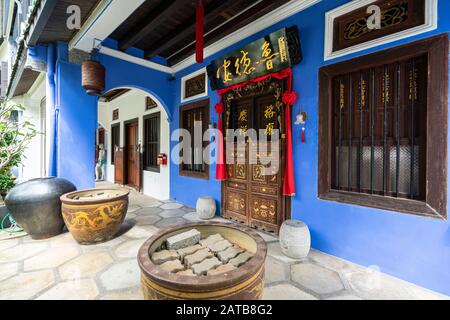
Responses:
[243,283]
[94,216]
[36,206]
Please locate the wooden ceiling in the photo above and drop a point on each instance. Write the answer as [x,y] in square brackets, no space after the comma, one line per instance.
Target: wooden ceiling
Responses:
[167,27]
[26,82]
[113,94]
[56,26]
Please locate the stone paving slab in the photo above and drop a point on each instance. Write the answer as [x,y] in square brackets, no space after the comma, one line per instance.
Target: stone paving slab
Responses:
[109,271]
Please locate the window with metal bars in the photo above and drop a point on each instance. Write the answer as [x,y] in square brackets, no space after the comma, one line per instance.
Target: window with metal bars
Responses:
[115,140]
[383,129]
[151,141]
[379,129]
[192,115]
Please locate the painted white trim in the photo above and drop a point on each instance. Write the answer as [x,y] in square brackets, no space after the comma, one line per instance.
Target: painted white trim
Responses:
[190,76]
[105,18]
[89,22]
[128,57]
[283,12]
[431,23]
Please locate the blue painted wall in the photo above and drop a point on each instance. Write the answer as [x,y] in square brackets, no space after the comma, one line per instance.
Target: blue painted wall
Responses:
[77,121]
[413,248]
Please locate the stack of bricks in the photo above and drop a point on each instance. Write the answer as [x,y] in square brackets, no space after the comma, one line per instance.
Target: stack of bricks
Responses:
[189,255]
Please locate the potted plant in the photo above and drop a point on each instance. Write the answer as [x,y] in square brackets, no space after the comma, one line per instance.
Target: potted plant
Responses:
[14,138]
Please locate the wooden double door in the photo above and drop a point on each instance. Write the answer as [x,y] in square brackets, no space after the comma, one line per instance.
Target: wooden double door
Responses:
[128,160]
[252,194]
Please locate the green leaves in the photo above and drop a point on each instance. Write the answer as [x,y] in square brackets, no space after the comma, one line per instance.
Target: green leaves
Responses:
[14,139]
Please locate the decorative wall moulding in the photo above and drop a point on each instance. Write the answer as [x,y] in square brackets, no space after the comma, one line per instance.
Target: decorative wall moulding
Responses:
[115,115]
[150,104]
[347,31]
[194,86]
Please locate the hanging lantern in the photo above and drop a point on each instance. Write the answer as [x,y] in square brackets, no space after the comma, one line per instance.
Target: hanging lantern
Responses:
[93,77]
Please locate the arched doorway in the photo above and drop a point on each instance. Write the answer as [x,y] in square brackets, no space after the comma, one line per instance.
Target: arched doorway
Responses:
[137,132]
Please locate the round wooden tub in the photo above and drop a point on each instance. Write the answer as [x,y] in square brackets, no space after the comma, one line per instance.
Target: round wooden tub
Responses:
[244,283]
[95,215]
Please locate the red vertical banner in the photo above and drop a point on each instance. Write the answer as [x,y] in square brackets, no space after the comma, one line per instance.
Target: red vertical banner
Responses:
[221,172]
[199,32]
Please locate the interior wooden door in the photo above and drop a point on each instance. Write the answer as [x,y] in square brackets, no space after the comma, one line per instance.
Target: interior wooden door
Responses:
[253,192]
[132,155]
[119,166]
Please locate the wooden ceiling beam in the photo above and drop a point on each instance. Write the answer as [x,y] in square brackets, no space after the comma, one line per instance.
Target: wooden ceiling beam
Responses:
[259,10]
[156,17]
[186,30]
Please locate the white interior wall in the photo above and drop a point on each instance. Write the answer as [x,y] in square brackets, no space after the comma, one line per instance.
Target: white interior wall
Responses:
[31,166]
[131,106]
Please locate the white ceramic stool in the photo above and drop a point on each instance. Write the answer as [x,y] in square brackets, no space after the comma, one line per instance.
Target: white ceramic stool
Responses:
[295,239]
[206,208]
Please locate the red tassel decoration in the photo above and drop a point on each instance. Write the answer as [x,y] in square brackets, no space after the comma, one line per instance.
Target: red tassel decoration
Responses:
[303,135]
[199,32]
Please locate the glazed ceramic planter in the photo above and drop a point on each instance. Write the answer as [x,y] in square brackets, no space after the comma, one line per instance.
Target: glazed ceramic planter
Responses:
[36,206]
[244,283]
[96,215]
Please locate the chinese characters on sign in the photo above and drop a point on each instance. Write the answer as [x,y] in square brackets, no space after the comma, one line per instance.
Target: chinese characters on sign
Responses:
[276,51]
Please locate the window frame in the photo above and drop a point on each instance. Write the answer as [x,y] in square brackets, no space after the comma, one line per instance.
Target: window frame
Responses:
[435,205]
[157,115]
[113,126]
[187,107]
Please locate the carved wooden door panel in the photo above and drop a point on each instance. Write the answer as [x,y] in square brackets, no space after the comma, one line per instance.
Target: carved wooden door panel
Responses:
[253,192]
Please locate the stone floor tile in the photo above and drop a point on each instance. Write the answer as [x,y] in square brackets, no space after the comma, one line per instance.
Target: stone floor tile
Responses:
[22,252]
[85,289]
[188,209]
[86,265]
[345,296]
[192,217]
[4,235]
[372,285]
[121,275]
[275,271]
[26,285]
[147,219]
[132,209]
[170,222]
[126,294]
[172,213]
[328,261]
[104,245]
[141,231]
[267,236]
[50,258]
[7,270]
[285,291]
[148,211]
[171,205]
[63,240]
[316,278]
[129,249]
[152,204]
[274,250]
[8,244]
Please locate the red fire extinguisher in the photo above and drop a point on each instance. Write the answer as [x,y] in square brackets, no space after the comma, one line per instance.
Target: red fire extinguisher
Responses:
[162,159]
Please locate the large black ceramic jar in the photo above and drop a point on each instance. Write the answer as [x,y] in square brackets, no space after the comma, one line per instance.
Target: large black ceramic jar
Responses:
[36,206]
